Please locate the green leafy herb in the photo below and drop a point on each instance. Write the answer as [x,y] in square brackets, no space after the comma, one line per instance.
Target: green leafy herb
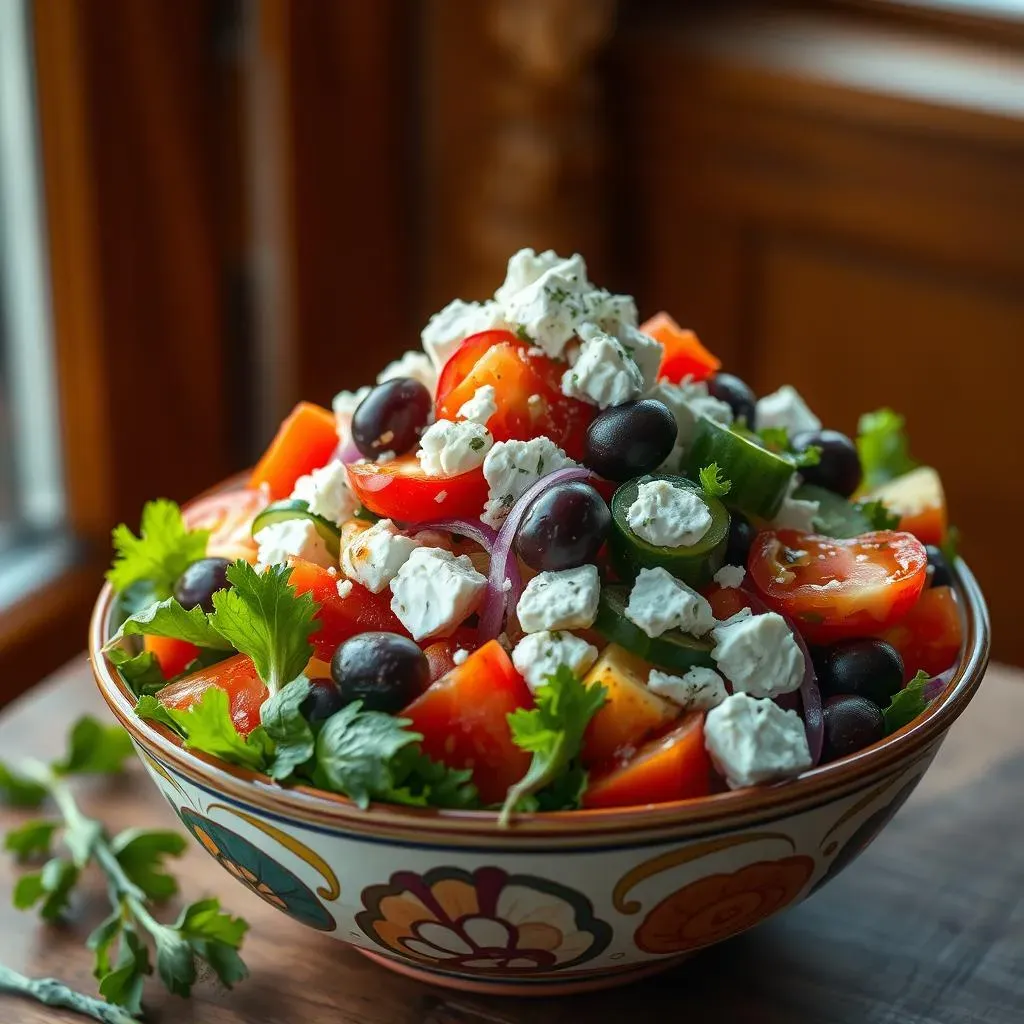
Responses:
[907,704]
[207,726]
[775,439]
[420,781]
[883,448]
[809,456]
[552,732]
[877,515]
[168,618]
[262,616]
[355,752]
[140,671]
[133,864]
[713,483]
[162,552]
[18,790]
[291,734]
[951,544]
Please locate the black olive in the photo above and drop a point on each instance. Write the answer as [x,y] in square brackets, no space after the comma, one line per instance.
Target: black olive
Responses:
[385,671]
[630,440]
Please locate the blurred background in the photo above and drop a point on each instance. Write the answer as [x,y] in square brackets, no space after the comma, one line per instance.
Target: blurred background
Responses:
[209,208]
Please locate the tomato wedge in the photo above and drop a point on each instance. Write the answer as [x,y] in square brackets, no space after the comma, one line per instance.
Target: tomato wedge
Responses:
[359,611]
[674,767]
[228,516]
[400,490]
[235,675]
[683,355]
[726,601]
[305,441]
[528,387]
[463,718]
[918,499]
[930,635]
[836,589]
[173,655]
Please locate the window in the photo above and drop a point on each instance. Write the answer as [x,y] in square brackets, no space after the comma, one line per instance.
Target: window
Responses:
[31,489]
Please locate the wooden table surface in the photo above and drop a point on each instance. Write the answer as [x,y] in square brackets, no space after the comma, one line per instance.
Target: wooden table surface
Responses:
[927,926]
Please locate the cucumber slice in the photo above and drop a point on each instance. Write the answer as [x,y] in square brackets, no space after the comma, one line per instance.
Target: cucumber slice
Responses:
[836,517]
[293,508]
[694,564]
[760,478]
[672,650]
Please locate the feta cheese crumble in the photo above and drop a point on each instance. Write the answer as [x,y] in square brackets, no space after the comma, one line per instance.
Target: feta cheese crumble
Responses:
[759,655]
[644,350]
[796,513]
[659,602]
[566,599]
[374,556]
[416,365]
[434,591]
[729,577]
[481,407]
[700,689]
[604,374]
[325,491]
[448,448]
[668,516]
[511,468]
[447,329]
[754,741]
[291,538]
[538,655]
[688,402]
[344,588]
[460,656]
[785,408]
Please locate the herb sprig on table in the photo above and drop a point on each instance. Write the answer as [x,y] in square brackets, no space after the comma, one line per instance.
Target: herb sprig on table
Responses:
[133,864]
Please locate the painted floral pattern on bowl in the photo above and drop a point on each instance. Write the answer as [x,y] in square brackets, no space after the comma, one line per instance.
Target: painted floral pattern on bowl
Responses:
[487,921]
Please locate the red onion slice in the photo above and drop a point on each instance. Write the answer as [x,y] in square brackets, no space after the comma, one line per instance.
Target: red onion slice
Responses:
[347,452]
[504,565]
[483,534]
[810,695]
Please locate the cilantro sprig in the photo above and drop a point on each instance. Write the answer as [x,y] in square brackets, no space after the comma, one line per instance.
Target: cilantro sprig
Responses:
[883,447]
[160,554]
[552,732]
[133,863]
[879,517]
[713,483]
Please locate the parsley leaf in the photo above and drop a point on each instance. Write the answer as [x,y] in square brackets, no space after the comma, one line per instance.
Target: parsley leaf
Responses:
[354,753]
[423,782]
[809,456]
[19,791]
[33,839]
[160,554]
[95,749]
[141,856]
[262,616]
[293,738]
[877,515]
[713,483]
[907,704]
[951,543]
[207,726]
[140,671]
[883,448]
[775,439]
[553,732]
[168,618]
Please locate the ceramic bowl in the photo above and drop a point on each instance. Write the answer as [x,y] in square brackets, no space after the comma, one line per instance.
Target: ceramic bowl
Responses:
[559,902]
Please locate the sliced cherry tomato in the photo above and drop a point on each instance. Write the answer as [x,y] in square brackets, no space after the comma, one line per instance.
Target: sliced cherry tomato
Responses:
[684,355]
[237,676]
[726,601]
[464,720]
[631,713]
[918,499]
[400,490]
[228,516]
[834,589]
[528,387]
[674,767]
[930,635]
[173,655]
[360,611]
[305,441]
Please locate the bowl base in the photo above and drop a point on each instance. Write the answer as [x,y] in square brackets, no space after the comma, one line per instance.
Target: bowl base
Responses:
[612,978]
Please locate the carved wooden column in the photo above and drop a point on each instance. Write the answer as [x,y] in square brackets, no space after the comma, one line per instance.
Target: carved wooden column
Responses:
[513,135]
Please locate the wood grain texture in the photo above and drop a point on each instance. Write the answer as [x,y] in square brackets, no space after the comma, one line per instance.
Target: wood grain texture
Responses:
[840,205]
[926,928]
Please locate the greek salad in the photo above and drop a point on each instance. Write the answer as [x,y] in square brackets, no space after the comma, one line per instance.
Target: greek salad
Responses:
[555,559]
